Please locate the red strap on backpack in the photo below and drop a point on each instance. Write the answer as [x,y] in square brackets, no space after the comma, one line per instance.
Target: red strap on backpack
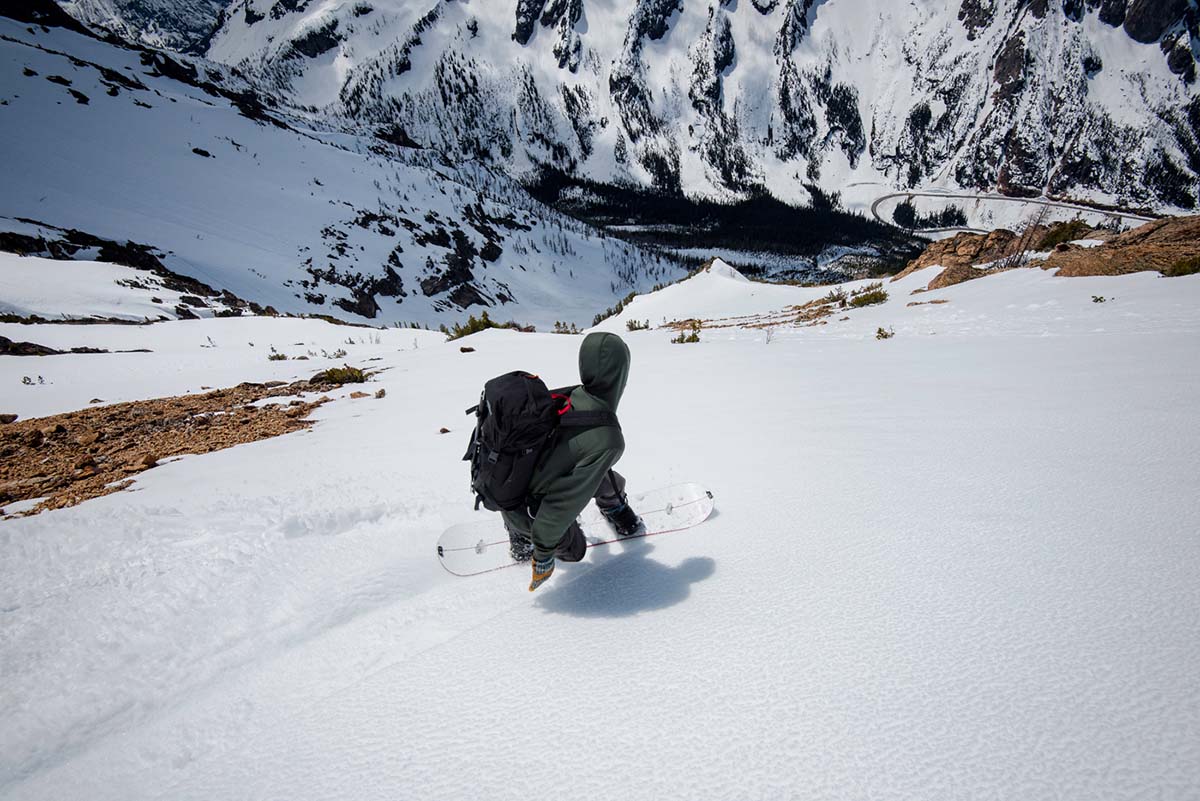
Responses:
[566,403]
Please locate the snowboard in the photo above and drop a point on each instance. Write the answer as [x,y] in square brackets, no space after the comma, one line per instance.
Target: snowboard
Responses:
[481,546]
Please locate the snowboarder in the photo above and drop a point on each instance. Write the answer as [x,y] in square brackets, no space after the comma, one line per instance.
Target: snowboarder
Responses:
[576,468]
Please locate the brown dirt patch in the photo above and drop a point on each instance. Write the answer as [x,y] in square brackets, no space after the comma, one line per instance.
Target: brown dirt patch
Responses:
[69,458]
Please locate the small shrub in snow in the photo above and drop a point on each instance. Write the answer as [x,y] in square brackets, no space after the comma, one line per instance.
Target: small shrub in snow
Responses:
[1189,266]
[869,295]
[340,375]
[837,295]
[482,323]
[277,357]
[687,338]
[881,333]
[1098,299]
[634,325]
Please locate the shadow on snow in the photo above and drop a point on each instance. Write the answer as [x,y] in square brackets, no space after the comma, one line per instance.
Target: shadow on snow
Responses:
[626,583]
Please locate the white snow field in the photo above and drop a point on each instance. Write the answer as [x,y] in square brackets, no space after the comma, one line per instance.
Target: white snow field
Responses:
[958,563]
[70,289]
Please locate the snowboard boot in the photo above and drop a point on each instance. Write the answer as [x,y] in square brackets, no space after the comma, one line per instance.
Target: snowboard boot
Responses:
[624,520]
[519,548]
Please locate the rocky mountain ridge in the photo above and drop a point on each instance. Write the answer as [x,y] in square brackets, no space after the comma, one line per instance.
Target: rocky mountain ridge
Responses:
[1091,99]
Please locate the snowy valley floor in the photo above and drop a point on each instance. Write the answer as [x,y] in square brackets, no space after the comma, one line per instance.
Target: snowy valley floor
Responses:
[959,563]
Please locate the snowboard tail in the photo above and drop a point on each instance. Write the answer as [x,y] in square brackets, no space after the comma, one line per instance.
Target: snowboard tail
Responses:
[481,546]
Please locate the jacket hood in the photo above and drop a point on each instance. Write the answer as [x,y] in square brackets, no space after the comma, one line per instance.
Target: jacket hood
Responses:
[604,367]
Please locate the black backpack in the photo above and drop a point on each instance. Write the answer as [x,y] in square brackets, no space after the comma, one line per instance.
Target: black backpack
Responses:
[515,422]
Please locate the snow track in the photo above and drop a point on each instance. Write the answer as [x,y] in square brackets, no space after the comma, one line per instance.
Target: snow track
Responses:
[959,563]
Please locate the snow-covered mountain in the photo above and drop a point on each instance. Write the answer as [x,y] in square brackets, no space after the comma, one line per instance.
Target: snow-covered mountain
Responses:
[107,144]
[1090,99]
[183,25]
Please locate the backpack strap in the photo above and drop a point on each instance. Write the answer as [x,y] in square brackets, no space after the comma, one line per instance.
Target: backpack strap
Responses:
[569,417]
[596,419]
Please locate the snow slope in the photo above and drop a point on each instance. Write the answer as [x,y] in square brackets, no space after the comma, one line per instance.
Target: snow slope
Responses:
[80,288]
[181,156]
[184,356]
[959,563]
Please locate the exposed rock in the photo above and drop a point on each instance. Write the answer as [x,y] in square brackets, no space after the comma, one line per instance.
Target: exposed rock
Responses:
[10,348]
[1146,20]
[145,461]
[1154,246]
[43,12]
[5,419]
[1180,59]
[955,275]
[315,42]
[963,250]
[976,15]
[1112,12]
[528,12]
[356,395]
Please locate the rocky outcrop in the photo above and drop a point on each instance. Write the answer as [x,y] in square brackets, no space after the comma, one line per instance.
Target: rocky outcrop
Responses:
[1157,245]
[316,42]
[528,12]
[1154,246]
[1147,20]
[963,250]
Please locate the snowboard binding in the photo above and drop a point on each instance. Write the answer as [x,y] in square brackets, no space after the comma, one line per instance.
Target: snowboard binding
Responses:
[623,520]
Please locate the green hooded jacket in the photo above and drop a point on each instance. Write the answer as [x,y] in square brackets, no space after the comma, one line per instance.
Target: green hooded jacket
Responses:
[570,474]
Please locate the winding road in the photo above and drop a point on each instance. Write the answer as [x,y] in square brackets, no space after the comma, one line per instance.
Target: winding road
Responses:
[1123,215]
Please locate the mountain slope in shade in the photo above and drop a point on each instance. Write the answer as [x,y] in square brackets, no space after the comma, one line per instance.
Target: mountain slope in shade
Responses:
[182,157]
[183,25]
[1092,99]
